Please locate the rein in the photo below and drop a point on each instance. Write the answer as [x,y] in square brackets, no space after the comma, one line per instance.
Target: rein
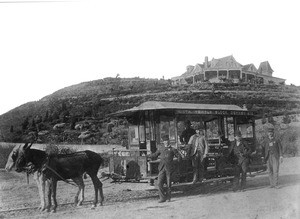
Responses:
[27,174]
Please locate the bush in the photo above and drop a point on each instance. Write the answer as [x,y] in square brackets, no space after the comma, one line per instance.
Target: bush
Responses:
[290,140]
[54,149]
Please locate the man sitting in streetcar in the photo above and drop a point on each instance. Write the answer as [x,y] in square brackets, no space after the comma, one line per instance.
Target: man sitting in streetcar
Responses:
[187,133]
[197,151]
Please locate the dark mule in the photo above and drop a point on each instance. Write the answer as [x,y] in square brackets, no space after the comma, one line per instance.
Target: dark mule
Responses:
[63,167]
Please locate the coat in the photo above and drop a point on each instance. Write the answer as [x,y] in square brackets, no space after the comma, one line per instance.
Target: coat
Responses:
[240,153]
[195,142]
[166,158]
[186,134]
[272,146]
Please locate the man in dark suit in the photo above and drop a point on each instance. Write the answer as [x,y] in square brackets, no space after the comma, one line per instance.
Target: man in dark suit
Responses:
[240,153]
[187,133]
[165,168]
[272,152]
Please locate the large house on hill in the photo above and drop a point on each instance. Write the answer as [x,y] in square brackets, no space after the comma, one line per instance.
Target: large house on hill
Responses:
[227,68]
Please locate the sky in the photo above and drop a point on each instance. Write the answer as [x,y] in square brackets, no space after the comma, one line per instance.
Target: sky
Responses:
[48,45]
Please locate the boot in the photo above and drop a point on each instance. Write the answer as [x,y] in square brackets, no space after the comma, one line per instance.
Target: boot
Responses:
[169,195]
[195,178]
[161,200]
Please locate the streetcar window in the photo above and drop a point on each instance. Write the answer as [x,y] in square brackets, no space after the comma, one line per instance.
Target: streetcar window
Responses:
[212,129]
[167,127]
[246,130]
[148,136]
[245,126]
[133,135]
[229,128]
[142,133]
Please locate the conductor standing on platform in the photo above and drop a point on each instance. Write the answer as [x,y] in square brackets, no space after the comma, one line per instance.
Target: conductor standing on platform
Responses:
[165,168]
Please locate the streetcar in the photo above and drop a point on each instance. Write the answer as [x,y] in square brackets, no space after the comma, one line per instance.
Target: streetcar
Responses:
[151,120]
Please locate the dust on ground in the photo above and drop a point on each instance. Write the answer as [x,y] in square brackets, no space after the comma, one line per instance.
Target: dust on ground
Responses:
[139,200]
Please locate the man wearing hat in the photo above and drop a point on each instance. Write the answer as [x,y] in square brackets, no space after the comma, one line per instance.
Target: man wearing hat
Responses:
[197,150]
[240,152]
[165,167]
[187,133]
[272,152]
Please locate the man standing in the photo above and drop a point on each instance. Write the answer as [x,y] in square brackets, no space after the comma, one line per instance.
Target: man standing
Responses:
[197,150]
[272,152]
[241,158]
[187,133]
[165,168]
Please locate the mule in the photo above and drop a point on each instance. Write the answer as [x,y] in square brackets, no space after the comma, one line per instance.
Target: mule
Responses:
[73,166]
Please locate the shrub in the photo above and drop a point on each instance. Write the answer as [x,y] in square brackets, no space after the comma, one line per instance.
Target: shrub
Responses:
[290,140]
[54,149]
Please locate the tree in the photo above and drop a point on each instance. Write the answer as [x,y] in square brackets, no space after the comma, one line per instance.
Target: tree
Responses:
[271,119]
[25,124]
[46,116]
[263,120]
[286,119]
[55,115]
[38,119]
[63,106]
[33,122]
[73,122]
[11,130]
[33,125]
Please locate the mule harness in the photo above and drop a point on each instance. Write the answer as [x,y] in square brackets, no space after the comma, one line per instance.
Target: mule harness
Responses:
[45,166]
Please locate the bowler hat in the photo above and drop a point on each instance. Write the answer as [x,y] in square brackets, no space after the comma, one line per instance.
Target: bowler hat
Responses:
[165,138]
[187,122]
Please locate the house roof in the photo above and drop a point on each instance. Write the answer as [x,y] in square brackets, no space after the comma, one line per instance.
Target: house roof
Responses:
[249,67]
[184,75]
[225,63]
[197,69]
[265,67]
[191,71]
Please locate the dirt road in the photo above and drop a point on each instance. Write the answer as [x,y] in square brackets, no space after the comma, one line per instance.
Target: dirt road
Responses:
[129,200]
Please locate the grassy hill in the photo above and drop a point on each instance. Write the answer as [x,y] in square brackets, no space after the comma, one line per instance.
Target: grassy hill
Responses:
[83,108]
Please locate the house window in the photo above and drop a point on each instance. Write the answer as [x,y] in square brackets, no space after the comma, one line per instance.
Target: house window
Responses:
[223,73]
[211,74]
[234,74]
[243,77]
[199,77]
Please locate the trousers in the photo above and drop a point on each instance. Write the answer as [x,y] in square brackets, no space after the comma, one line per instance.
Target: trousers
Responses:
[273,169]
[240,175]
[164,176]
[198,167]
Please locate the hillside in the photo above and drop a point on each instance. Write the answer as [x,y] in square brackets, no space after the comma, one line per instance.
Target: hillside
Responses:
[82,109]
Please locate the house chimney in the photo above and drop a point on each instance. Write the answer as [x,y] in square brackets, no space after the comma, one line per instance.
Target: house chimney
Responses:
[206,62]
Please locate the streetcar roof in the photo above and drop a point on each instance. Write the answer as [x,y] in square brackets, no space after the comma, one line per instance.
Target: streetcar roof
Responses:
[158,105]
